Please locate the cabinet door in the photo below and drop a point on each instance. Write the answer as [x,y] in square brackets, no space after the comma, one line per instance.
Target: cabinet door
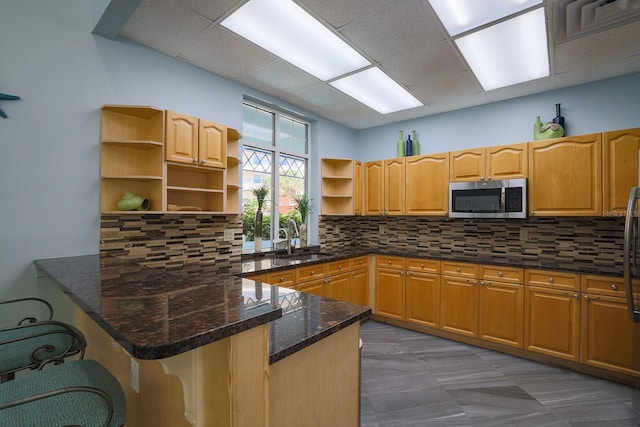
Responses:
[552,322]
[423,299]
[339,287]
[357,188]
[459,305]
[390,293]
[315,287]
[609,339]
[374,188]
[507,162]
[285,278]
[501,313]
[620,152]
[467,165]
[394,177]
[360,287]
[565,176]
[181,143]
[212,143]
[427,184]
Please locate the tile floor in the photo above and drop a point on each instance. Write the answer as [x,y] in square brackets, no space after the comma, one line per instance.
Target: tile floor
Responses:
[415,379]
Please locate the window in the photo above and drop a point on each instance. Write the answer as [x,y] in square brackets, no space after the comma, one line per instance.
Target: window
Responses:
[272,138]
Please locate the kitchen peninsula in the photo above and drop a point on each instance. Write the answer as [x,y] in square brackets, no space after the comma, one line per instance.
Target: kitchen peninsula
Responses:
[198,345]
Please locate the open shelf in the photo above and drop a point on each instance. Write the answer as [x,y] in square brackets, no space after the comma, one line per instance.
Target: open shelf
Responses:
[337,187]
[132,123]
[113,188]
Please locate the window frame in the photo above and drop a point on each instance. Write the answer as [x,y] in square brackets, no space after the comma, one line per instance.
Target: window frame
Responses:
[276,152]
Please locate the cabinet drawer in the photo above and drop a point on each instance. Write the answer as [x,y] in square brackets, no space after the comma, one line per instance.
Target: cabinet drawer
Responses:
[502,274]
[310,272]
[603,285]
[459,269]
[552,279]
[359,262]
[337,267]
[390,262]
[423,265]
[281,278]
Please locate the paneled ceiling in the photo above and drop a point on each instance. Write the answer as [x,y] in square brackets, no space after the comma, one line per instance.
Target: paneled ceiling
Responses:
[403,37]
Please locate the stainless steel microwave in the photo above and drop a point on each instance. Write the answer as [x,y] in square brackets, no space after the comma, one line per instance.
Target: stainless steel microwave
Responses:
[488,199]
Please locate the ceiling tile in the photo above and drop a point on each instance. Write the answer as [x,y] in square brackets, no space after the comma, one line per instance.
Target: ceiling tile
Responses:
[164,25]
[339,13]
[280,76]
[212,10]
[226,53]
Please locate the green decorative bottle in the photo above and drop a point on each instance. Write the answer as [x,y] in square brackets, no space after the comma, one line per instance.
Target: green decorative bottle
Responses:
[400,146]
[416,145]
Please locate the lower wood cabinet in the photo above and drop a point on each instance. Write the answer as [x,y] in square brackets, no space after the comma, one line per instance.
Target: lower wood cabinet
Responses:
[423,299]
[339,287]
[552,322]
[390,293]
[459,305]
[360,287]
[501,313]
[315,287]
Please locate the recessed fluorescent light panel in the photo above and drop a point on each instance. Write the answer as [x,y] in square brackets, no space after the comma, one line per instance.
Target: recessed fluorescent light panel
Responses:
[510,52]
[459,16]
[288,31]
[375,89]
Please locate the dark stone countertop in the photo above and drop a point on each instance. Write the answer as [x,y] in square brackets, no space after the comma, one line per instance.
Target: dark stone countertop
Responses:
[606,268]
[156,313]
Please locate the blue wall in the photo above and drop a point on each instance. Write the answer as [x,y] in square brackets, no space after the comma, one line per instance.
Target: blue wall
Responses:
[49,167]
[594,107]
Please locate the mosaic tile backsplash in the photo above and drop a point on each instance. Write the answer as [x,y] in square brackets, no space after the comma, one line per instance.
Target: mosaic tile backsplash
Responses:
[547,241]
[172,240]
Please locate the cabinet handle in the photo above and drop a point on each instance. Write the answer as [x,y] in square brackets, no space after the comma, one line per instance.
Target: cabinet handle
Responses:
[409,273]
[402,273]
[204,161]
[475,282]
[481,283]
[614,287]
[458,269]
[500,274]
[282,279]
[576,296]
[550,279]
[389,262]
[340,267]
[313,272]
[586,297]
[422,265]
[532,213]
[488,178]
[195,160]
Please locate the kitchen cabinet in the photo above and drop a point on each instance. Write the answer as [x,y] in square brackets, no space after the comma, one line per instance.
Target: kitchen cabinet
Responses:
[609,339]
[131,155]
[620,169]
[284,278]
[385,187]
[338,282]
[390,287]
[315,287]
[565,176]
[459,298]
[489,163]
[360,280]
[501,305]
[340,187]
[195,141]
[357,187]
[233,171]
[427,185]
[423,292]
[552,314]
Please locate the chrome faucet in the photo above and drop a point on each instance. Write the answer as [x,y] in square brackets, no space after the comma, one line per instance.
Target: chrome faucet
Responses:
[291,222]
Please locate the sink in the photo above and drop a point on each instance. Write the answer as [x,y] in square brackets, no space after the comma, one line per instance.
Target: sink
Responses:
[303,256]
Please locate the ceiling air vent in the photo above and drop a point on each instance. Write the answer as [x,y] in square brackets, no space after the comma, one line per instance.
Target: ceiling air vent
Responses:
[577,18]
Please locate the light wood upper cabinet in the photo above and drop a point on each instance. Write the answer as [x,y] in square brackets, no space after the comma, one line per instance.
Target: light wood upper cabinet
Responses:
[212,144]
[340,187]
[427,184]
[357,187]
[384,183]
[374,188]
[565,176]
[394,186]
[507,162]
[467,165]
[181,138]
[490,163]
[620,172]
[195,141]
